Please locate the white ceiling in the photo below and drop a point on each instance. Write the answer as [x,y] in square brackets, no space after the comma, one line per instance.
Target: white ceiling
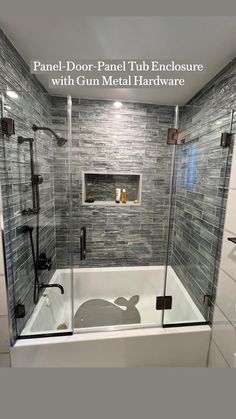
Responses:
[60,33]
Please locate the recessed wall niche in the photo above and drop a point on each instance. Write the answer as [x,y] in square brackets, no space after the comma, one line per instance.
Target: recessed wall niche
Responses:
[99,188]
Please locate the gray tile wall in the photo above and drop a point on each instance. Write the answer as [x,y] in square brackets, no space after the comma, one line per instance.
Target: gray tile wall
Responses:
[135,142]
[200,188]
[222,351]
[33,106]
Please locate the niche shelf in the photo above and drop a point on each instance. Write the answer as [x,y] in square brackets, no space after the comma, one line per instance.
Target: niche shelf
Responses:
[101,186]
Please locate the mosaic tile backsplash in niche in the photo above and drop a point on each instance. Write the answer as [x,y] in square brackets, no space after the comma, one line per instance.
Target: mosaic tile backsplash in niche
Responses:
[102,187]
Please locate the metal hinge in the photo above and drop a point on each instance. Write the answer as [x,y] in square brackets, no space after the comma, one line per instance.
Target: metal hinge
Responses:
[176,136]
[164,302]
[207,299]
[20,311]
[226,138]
[8,126]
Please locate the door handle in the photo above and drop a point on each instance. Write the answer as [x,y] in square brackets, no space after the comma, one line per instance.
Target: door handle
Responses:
[82,243]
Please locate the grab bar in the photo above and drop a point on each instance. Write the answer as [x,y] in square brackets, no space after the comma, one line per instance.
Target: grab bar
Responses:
[82,243]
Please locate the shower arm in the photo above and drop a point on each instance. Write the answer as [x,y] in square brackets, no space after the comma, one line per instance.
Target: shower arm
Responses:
[60,140]
[36,128]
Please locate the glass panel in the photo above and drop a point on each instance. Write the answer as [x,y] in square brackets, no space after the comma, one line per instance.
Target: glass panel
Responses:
[35,189]
[197,214]
[119,250]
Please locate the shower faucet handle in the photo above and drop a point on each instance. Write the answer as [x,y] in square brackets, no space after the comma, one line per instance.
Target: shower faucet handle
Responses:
[83,249]
[30,211]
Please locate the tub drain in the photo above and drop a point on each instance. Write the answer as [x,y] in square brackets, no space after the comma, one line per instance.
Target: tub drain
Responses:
[62,326]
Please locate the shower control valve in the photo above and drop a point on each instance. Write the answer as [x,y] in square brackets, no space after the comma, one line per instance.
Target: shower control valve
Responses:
[44,262]
[30,211]
[38,179]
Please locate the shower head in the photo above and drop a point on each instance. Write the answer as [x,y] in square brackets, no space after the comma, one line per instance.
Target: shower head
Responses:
[60,140]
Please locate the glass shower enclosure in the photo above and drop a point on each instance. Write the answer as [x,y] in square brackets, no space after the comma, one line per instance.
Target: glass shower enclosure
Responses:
[78,259]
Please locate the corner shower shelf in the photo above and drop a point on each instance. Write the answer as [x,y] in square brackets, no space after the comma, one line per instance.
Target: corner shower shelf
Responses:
[102,186]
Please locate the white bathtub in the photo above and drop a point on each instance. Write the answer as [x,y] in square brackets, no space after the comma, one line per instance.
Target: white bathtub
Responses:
[142,344]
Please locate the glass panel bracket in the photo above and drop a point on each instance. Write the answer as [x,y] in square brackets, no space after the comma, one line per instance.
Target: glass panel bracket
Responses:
[8,126]
[175,136]
[232,239]
[20,311]
[207,300]
[164,302]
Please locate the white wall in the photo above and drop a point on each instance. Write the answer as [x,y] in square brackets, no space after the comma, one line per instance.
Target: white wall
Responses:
[4,324]
[223,343]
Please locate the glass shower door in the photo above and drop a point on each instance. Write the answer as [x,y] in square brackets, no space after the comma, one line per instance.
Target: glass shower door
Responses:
[119,248]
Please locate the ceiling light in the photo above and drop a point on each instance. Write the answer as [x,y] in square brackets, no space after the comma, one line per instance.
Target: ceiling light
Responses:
[12,94]
[117,105]
[7,107]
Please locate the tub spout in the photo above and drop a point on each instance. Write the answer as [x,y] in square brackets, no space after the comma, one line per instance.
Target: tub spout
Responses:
[53,286]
